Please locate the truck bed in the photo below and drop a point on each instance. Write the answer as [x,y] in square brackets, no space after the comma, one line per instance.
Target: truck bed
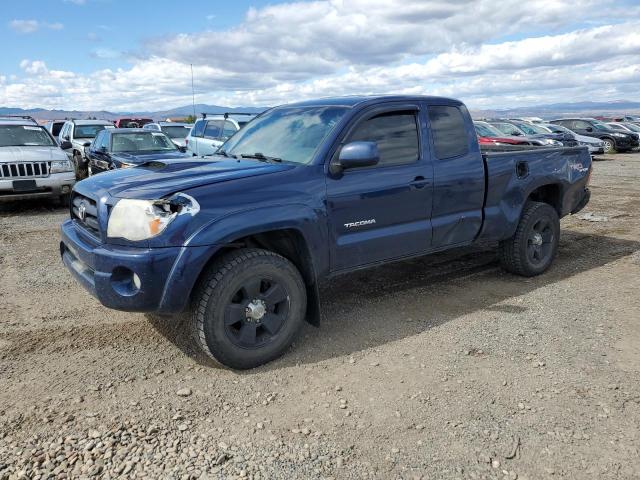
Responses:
[560,173]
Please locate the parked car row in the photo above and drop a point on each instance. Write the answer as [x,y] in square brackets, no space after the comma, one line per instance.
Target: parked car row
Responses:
[598,136]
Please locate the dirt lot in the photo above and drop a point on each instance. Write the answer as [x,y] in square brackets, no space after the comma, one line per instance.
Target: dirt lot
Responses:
[438,368]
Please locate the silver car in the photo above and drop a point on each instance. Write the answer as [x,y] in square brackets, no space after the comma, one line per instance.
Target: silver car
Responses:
[595,145]
[32,164]
[177,132]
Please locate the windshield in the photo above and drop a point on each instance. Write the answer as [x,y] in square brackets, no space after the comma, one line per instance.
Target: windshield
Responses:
[530,129]
[292,134]
[557,128]
[142,142]
[632,127]
[486,130]
[24,136]
[508,129]
[176,131]
[87,131]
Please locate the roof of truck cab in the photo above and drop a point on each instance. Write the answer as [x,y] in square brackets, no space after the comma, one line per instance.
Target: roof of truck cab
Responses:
[359,100]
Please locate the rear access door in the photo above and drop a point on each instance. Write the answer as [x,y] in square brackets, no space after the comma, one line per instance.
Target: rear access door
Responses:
[383,212]
[459,177]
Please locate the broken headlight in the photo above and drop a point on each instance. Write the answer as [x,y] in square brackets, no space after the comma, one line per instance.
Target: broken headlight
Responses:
[136,220]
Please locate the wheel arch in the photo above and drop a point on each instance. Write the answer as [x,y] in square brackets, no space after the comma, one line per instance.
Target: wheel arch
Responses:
[289,242]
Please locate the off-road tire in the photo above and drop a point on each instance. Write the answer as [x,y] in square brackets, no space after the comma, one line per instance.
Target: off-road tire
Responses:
[215,290]
[514,252]
[80,167]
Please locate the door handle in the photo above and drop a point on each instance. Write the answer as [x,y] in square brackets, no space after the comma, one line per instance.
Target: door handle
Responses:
[419,182]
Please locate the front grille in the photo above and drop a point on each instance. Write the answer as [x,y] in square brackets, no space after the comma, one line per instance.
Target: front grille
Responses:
[24,170]
[84,210]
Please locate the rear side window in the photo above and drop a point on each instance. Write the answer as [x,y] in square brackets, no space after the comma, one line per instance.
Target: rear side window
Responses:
[448,130]
[396,134]
[214,129]
[198,128]
[229,129]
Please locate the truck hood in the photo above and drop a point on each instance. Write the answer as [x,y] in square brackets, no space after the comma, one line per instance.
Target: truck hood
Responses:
[161,178]
[32,154]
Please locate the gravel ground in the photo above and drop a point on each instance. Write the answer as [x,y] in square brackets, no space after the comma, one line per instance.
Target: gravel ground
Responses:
[444,367]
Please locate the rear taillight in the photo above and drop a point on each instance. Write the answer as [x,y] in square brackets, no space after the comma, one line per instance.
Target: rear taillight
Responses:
[186,141]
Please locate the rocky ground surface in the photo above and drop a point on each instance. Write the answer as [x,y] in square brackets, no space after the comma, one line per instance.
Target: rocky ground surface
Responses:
[439,368]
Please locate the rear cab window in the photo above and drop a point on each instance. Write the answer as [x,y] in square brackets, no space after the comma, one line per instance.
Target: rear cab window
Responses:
[448,131]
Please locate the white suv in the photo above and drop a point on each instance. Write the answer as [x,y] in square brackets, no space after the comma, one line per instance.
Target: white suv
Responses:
[209,132]
[32,164]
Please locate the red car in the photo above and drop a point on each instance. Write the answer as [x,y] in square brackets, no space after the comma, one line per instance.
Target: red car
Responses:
[490,135]
[132,122]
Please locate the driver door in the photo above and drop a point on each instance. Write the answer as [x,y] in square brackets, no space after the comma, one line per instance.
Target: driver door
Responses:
[383,212]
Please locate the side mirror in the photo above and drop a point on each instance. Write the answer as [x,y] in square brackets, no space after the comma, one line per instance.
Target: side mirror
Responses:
[358,154]
[182,149]
[102,149]
[86,144]
[589,129]
[517,134]
[65,145]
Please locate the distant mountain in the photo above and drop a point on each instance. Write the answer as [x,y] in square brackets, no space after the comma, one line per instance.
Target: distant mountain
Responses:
[545,111]
[45,114]
[562,109]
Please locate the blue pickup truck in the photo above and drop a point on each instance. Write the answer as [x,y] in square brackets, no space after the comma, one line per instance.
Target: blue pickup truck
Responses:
[303,193]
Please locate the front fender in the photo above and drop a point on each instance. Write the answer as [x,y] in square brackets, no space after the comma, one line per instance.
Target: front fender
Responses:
[309,222]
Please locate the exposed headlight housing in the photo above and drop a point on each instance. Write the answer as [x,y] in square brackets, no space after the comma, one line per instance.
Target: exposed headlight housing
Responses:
[61,166]
[137,220]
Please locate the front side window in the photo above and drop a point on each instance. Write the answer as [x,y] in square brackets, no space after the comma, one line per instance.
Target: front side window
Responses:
[448,131]
[395,133]
[292,134]
[24,136]
[141,142]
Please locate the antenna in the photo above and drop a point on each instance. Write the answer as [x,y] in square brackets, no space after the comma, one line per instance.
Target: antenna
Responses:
[193,93]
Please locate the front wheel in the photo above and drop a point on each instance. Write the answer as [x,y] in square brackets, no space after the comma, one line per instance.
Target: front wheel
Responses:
[248,308]
[533,247]
[609,145]
[81,167]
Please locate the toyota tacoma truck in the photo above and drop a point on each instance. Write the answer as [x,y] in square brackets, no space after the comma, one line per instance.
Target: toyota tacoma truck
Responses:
[306,192]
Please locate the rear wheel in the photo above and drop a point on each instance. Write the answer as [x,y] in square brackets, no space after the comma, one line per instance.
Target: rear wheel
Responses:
[609,145]
[248,308]
[533,247]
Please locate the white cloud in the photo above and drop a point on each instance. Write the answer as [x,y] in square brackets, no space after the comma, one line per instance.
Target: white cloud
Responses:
[301,50]
[30,26]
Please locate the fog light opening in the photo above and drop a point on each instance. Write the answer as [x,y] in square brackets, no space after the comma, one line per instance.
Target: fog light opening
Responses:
[125,282]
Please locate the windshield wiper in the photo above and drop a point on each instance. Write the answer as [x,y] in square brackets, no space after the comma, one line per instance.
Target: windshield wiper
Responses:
[261,156]
[224,154]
